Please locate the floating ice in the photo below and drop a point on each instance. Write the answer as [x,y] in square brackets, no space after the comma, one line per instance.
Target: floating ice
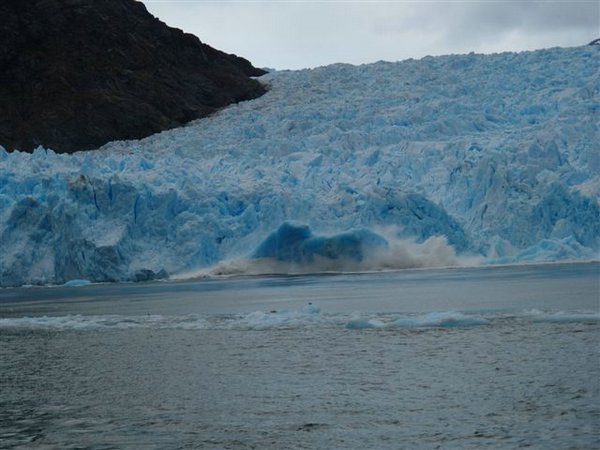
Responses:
[362,324]
[494,156]
[448,319]
[308,317]
[311,309]
[77,283]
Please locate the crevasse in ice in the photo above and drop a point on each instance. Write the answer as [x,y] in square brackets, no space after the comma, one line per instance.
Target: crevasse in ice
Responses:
[495,156]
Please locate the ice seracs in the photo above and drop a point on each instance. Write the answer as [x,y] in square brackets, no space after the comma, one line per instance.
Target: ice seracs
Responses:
[494,156]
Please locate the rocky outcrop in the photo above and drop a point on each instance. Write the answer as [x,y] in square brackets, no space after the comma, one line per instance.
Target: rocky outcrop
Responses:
[75,74]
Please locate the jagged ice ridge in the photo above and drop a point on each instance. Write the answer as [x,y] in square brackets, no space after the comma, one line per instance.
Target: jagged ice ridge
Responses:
[489,156]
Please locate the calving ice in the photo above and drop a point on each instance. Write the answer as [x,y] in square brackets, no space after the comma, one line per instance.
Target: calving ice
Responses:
[421,162]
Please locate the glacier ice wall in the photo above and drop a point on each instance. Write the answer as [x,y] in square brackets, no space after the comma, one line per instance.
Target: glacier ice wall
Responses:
[498,154]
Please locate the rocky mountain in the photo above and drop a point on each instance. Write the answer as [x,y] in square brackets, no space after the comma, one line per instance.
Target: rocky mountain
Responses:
[76,74]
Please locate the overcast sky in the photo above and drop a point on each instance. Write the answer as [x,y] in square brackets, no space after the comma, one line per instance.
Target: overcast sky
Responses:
[297,34]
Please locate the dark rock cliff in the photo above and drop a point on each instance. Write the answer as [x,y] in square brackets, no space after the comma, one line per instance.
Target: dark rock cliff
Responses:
[75,74]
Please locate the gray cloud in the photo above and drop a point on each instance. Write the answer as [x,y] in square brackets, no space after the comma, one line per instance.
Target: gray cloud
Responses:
[299,34]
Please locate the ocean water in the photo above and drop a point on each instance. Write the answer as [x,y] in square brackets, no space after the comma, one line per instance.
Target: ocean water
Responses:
[466,358]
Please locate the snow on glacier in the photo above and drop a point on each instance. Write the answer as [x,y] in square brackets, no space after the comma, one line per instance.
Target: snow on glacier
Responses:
[489,156]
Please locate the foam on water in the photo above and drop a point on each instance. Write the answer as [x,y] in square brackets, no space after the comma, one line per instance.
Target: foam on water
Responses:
[308,317]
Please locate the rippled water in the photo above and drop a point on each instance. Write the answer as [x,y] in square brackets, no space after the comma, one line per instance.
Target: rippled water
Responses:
[461,358]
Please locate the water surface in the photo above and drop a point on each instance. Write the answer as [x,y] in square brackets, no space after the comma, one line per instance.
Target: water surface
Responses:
[496,357]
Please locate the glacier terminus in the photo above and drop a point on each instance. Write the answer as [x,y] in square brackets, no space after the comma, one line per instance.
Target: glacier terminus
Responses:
[484,159]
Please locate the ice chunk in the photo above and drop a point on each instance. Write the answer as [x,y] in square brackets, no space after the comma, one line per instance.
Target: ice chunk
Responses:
[446,319]
[362,324]
[77,283]
[285,243]
[311,309]
[295,243]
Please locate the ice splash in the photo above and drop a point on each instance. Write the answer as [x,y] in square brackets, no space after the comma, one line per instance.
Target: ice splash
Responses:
[294,249]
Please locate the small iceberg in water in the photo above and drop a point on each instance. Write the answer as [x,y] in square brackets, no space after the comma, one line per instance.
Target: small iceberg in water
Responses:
[77,283]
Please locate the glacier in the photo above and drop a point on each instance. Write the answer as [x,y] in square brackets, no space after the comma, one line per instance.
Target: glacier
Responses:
[485,158]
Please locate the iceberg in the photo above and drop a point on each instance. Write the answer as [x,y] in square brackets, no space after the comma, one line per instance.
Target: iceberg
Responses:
[492,157]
